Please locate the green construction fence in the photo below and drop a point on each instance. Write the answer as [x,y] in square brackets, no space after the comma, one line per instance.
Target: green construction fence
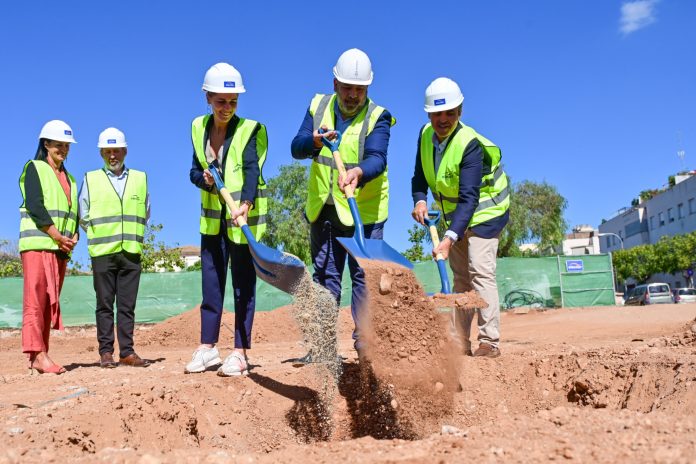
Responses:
[542,282]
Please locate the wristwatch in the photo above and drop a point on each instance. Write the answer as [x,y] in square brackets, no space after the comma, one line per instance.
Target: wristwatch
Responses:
[250,204]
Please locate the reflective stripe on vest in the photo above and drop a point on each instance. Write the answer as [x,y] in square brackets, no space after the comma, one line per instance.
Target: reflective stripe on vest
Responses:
[64,217]
[494,198]
[373,197]
[116,223]
[233,176]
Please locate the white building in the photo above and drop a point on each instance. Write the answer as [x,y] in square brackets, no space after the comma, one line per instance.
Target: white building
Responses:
[668,213]
[582,241]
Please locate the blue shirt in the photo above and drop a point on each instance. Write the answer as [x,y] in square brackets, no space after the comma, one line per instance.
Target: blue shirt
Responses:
[374,160]
[470,174]
[119,183]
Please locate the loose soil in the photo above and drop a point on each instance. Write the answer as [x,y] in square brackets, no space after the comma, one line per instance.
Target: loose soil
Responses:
[610,384]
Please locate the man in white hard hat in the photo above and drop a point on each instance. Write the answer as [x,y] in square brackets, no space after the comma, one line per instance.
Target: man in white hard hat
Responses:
[114,210]
[365,129]
[464,172]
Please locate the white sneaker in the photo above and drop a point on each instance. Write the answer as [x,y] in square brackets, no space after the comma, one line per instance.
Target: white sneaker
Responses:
[234,364]
[202,359]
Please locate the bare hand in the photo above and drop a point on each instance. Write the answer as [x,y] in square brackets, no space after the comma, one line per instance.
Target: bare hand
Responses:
[420,211]
[443,248]
[65,244]
[330,135]
[351,179]
[243,211]
[208,178]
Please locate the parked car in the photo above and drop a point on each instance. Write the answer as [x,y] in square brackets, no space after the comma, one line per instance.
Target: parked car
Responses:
[684,295]
[654,293]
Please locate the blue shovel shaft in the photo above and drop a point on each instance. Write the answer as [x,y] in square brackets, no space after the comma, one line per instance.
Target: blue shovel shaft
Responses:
[444,279]
[441,267]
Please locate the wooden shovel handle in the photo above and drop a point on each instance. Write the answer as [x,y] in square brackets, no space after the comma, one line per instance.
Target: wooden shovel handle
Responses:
[342,171]
[436,240]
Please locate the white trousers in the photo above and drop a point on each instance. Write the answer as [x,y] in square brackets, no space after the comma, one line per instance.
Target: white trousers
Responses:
[473,261]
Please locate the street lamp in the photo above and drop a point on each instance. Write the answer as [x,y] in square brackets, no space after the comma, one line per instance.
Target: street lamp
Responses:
[615,235]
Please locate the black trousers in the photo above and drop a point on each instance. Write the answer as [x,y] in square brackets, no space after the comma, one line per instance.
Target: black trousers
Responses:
[116,276]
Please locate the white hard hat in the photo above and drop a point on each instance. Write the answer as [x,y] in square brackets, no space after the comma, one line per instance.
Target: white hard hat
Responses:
[353,67]
[223,78]
[112,138]
[442,94]
[57,130]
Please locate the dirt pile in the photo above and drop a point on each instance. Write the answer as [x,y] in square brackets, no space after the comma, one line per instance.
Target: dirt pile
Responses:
[185,329]
[410,363]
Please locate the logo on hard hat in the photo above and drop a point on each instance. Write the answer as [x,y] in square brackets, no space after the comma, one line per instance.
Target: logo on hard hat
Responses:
[67,132]
[229,84]
[440,101]
[111,141]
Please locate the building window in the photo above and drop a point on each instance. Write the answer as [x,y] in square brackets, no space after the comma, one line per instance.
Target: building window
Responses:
[652,222]
[680,211]
[661,219]
[692,206]
[670,214]
[608,241]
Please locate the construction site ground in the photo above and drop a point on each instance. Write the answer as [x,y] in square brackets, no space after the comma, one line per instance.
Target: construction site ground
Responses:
[603,384]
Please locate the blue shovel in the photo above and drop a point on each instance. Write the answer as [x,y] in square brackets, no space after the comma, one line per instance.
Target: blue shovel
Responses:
[431,221]
[282,270]
[358,246]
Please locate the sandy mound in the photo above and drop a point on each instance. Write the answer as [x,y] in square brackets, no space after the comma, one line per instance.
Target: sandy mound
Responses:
[185,328]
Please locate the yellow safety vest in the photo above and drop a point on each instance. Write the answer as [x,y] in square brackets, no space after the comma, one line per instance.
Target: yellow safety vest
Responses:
[211,204]
[373,197]
[64,216]
[494,198]
[116,223]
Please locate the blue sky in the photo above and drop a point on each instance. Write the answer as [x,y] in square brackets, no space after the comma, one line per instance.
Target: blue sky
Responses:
[595,97]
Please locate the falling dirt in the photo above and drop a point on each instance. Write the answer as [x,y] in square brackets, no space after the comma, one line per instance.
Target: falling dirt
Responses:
[410,369]
[611,384]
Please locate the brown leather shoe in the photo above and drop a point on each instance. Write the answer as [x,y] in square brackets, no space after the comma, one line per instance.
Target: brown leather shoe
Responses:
[107,361]
[487,351]
[134,360]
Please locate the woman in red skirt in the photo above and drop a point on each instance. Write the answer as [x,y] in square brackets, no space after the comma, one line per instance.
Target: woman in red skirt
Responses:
[47,236]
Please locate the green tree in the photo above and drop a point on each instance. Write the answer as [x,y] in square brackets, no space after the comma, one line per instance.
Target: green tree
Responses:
[536,214]
[156,254]
[287,228]
[416,235]
[668,255]
[10,262]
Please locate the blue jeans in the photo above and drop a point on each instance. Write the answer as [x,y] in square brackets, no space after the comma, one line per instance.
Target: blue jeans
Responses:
[329,259]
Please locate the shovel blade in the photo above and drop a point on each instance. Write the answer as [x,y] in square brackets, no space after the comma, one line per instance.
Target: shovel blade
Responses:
[374,249]
[282,270]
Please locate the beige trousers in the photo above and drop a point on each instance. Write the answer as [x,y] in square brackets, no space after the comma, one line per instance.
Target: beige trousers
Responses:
[473,261]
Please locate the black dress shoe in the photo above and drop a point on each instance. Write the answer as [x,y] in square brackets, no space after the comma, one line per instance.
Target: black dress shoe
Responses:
[134,360]
[107,361]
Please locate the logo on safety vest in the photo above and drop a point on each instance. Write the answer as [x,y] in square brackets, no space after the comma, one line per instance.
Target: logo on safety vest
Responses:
[111,141]
[237,167]
[67,132]
[229,84]
[440,101]
[450,174]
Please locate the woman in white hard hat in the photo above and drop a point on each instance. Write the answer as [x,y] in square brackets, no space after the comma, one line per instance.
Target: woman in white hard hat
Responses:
[239,147]
[47,236]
